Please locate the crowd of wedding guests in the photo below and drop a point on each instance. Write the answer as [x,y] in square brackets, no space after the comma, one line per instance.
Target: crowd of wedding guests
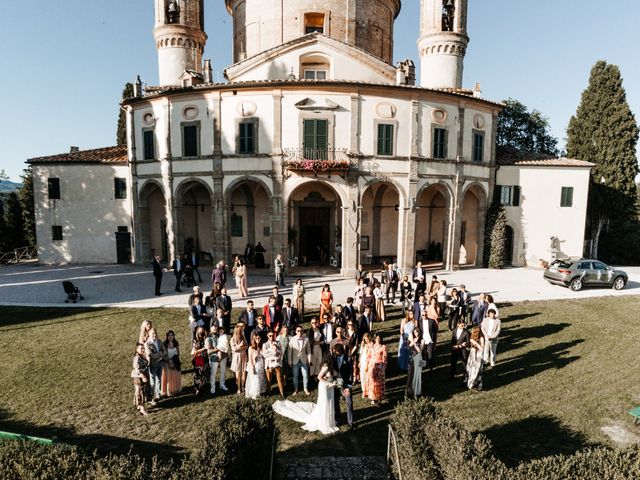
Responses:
[271,345]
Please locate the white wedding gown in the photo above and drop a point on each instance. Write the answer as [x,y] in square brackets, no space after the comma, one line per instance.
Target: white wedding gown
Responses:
[315,417]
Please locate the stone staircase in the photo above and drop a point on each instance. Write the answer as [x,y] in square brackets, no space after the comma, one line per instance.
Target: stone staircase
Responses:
[335,468]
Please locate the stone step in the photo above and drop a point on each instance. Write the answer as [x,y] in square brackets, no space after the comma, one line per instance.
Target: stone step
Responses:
[335,468]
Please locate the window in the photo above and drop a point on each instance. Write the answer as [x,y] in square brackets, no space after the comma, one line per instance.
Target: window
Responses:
[599,266]
[246,138]
[508,195]
[236,225]
[120,188]
[311,74]
[385,139]
[566,197]
[463,233]
[478,146]
[439,143]
[148,145]
[315,139]
[56,232]
[585,266]
[190,140]
[313,22]
[54,188]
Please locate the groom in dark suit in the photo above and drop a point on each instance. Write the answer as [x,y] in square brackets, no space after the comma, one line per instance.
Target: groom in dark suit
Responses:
[342,368]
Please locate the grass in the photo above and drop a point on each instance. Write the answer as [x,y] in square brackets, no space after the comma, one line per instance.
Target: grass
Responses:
[566,368]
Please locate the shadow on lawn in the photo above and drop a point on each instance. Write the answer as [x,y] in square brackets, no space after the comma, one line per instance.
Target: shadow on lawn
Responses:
[515,336]
[532,438]
[102,444]
[18,318]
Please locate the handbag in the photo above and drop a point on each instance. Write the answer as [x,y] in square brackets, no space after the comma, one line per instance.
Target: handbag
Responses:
[176,362]
[198,361]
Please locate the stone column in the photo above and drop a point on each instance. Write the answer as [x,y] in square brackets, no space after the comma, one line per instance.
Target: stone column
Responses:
[136,233]
[407,234]
[166,169]
[455,224]
[279,211]
[351,230]
[219,214]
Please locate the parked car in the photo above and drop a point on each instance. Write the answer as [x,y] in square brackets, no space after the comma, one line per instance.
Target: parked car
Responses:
[578,273]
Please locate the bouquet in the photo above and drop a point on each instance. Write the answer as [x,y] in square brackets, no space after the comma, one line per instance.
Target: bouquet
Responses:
[337,383]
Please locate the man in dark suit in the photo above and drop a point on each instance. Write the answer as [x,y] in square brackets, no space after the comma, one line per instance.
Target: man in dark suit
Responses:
[421,288]
[390,280]
[261,329]
[157,273]
[350,311]
[272,315]
[275,292]
[290,316]
[419,272]
[364,322]
[178,268]
[248,254]
[196,293]
[479,310]
[249,317]
[194,261]
[420,306]
[459,348]
[342,368]
[219,275]
[429,331]
[223,302]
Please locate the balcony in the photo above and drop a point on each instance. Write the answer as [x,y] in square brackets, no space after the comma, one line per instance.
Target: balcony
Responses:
[316,159]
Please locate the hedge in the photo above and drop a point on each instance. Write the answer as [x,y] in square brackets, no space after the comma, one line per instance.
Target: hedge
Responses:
[431,444]
[242,432]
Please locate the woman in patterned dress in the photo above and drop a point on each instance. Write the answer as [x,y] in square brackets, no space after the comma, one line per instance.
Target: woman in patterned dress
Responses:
[376,366]
[298,294]
[200,360]
[171,376]
[326,301]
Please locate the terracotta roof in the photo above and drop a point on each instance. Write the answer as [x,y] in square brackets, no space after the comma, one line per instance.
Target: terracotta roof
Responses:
[512,156]
[112,155]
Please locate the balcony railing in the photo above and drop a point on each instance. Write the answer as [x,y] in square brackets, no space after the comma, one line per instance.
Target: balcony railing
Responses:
[316,159]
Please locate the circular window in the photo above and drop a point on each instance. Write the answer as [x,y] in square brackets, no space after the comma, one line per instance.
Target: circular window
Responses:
[148,119]
[439,115]
[478,121]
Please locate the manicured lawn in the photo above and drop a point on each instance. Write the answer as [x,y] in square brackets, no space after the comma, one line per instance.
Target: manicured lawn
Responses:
[566,368]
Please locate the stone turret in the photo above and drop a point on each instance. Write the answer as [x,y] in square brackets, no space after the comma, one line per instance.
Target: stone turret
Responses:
[259,25]
[180,38]
[442,43]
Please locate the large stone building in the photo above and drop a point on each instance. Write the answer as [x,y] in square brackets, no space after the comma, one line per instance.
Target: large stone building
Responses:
[315,143]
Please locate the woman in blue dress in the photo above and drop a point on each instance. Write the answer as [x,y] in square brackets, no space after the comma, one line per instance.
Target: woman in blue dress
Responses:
[407,326]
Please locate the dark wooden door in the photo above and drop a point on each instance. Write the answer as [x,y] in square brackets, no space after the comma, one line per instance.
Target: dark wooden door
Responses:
[508,254]
[123,247]
[314,231]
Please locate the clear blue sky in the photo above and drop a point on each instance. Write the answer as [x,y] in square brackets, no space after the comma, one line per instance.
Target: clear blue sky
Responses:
[65,63]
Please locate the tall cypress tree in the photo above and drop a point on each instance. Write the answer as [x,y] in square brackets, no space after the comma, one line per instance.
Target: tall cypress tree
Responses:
[14,235]
[604,131]
[121,133]
[27,205]
[3,226]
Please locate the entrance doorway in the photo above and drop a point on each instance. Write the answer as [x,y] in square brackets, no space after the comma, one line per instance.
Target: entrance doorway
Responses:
[314,233]
[123,245]
[508,247]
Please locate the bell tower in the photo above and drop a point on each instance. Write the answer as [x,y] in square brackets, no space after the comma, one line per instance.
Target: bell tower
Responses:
[180,38]
[442,43]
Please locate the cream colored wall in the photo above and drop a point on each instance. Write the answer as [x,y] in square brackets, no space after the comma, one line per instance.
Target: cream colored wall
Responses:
[262,219]
[540,216]
[89,226]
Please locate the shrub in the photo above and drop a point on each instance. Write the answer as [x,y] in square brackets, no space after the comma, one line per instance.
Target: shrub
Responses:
[21,460]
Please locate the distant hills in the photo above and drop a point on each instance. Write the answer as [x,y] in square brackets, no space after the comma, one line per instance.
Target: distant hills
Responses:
[9,186]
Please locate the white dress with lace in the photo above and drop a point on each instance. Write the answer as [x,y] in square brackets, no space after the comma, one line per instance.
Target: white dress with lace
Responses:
[315,416]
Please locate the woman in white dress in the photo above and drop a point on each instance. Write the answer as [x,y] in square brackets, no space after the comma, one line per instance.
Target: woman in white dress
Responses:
[316,417]
[256,377]
[474,362]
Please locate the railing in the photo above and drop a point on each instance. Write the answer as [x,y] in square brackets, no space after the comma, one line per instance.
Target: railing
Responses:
[391,438]
[316,159]
[18,255]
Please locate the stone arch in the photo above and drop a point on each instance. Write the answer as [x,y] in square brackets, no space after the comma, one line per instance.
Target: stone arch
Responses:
[152,222]
[473,209]
[292,184]
[231,186]
[381,203]
[193,215]
[432,222]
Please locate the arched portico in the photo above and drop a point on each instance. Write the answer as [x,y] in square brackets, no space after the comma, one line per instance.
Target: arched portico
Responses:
[432,208]
[381,204]
[193,201]
[471,234]
[152,223]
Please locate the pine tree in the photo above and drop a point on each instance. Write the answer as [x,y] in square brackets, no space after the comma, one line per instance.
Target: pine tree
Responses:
[495,237]
[121,133]
[525,130]
[3,226]
[28,207]
[14,235]
[604,131]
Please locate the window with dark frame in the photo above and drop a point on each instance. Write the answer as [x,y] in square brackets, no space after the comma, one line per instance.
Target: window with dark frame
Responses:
[315,138]
[478,146]
[439,143]
[246,138]
[190,140]
[148,145]
[56,232]
[566,197]
[53,185]
[385,139]
[508,195]
[120,188]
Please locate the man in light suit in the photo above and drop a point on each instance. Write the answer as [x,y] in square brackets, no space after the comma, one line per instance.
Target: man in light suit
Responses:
[490,327]
[278,265]
[300,359]
[418,272]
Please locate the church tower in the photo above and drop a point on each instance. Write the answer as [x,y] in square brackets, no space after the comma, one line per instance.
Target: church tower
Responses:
[442,43]
[180,38]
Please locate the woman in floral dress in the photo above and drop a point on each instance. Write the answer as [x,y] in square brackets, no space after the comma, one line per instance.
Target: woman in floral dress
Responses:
[376,367]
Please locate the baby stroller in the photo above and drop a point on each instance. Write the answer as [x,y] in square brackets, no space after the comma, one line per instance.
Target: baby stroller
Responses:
[73,293]
[187,277]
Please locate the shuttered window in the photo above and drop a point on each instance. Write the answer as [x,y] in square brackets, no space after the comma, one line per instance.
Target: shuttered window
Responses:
[385,139]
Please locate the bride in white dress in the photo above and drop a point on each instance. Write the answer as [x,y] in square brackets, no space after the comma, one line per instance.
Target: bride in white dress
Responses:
[315,416]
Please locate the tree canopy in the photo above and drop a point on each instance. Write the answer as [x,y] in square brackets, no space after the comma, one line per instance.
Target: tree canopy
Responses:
[525,130]
[121,131]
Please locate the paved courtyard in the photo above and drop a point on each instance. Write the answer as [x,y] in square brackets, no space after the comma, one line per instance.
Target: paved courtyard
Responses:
[132,286]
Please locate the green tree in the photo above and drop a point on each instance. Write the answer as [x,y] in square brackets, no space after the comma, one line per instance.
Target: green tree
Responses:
[3,226]
[14,235]
[495,237]
[525,130]
[28,207]
[121,133]
[3,175]
[604,131]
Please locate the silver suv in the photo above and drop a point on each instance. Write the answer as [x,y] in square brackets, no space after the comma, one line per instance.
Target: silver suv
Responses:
[579,273]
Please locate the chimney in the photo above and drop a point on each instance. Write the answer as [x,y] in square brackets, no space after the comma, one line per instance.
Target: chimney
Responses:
[137,87]
[207,72]
[406,73]
[74,149]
